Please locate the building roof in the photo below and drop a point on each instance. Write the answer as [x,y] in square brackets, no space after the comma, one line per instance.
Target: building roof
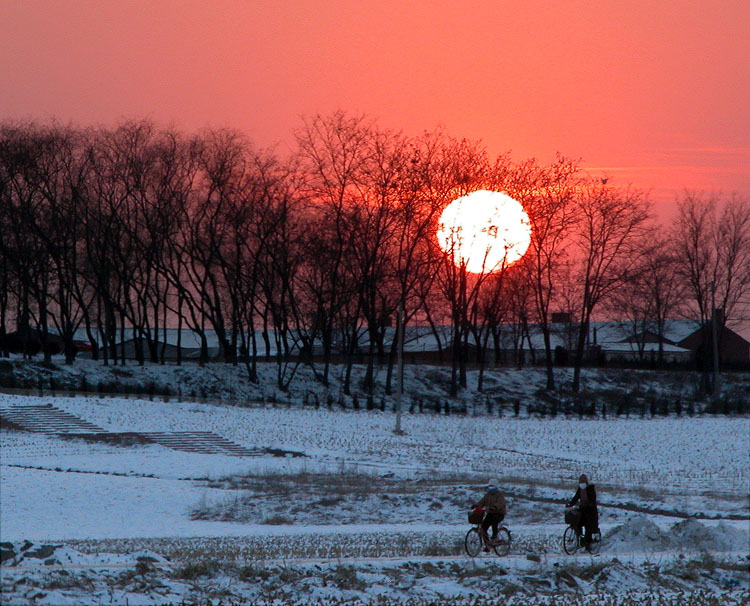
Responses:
[611,336]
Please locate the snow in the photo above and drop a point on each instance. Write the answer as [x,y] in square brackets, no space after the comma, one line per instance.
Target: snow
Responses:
[379,514]
[36,502]
[640,535]
[697,465]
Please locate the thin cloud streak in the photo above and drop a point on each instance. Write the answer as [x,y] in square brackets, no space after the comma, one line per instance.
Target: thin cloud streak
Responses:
[741,151]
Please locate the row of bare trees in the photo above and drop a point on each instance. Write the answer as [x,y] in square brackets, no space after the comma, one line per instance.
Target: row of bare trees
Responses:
[137,229]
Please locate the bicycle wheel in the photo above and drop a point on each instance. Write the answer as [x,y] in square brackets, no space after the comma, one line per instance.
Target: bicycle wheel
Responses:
[570,540]
[502,542]
[473,542]
[596,543]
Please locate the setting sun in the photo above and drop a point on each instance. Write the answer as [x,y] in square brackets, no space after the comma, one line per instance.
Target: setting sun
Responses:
[485,230]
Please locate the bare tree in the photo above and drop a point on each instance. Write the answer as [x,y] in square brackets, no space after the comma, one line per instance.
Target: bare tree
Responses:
[275,258]
[381,255]
[159,203]
[9,270]
[490,309]
[548,195]
[509,325]
[118,160]
[421,197]
[134,171]
[62,171]
[26,151]
[713,255]
[610,223]
[465,167]
[651,293]
[208,174]
[712,238]
[333,153]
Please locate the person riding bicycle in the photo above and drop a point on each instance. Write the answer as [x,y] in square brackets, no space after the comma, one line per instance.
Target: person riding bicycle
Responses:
[585,497]
[494,503]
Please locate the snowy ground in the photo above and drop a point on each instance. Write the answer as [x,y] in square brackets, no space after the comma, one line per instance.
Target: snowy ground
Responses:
[365,514]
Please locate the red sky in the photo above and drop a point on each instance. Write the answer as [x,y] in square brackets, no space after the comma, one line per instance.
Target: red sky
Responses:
[658,93]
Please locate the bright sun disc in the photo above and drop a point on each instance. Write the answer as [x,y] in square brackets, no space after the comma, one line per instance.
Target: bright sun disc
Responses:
[485,230]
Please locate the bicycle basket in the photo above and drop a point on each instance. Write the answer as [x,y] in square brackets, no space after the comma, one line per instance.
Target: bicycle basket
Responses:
[476,516]
[572,517]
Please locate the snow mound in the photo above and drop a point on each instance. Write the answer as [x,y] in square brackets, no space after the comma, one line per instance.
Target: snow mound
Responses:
[692,535]
[637,535]
[28,554]
[641,535]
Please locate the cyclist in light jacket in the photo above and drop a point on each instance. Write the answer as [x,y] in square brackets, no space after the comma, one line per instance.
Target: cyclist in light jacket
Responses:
[494,503]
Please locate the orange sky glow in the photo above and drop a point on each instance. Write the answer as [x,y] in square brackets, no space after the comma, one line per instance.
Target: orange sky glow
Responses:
[655,94]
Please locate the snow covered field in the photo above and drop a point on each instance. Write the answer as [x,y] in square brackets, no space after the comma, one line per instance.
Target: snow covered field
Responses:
[346,511]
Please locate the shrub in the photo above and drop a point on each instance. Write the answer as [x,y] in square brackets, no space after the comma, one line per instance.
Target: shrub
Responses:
[277,520]
[345,577]
[250,573]
[194,570]
[7,378]
[289,575]
[436,548]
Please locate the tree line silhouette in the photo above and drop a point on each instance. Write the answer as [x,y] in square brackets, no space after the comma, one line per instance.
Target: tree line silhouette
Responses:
[137,228]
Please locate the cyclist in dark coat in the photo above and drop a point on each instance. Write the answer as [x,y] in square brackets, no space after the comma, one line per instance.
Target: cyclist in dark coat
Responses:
[494,502]
[586,497]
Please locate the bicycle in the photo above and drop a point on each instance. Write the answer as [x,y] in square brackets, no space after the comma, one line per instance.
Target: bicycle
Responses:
[476,538]
[572,539]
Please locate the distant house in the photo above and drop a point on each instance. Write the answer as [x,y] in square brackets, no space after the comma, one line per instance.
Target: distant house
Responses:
[174,343]
[128,349]
[30,340]
[631,351]
[683,342]
[617,341]
[733,348]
